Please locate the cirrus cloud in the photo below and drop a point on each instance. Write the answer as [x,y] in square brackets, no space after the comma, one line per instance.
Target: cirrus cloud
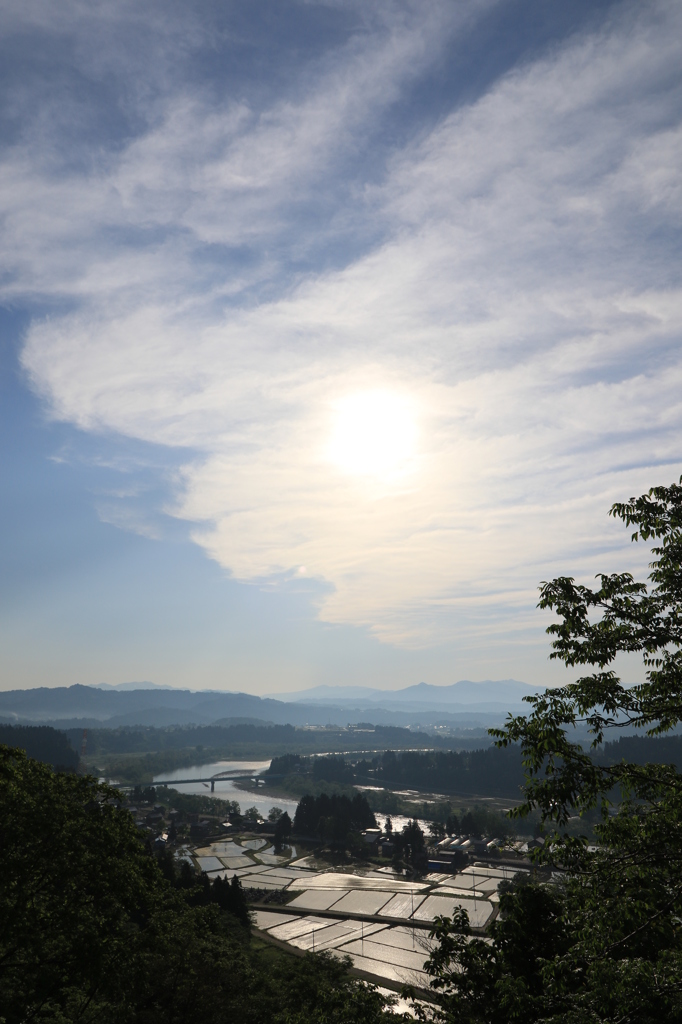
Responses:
[512,273]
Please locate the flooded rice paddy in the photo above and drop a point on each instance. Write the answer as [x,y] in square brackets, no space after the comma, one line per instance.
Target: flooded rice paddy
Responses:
[378,919]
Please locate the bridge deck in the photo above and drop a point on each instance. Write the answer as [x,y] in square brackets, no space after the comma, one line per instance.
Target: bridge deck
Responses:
[187,782]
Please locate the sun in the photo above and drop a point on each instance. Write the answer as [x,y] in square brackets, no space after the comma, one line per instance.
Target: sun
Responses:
[373,434]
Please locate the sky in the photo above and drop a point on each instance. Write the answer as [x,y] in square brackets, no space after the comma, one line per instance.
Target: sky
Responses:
[328,330]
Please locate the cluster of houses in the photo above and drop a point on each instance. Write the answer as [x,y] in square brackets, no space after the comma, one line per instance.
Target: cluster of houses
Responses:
[162,823]
[452,854]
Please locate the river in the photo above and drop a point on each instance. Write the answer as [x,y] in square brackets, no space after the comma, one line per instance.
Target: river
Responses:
[225,789]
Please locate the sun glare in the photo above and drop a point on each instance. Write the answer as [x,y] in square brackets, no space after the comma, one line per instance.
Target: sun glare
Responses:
[374,433]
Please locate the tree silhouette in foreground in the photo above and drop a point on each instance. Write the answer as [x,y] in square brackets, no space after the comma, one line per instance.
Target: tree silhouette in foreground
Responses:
[603,940]
[95,930]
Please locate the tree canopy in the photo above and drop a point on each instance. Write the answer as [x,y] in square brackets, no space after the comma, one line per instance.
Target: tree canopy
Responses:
[601,941]
[96,930]
[43,743]
[334,817]
[409,849]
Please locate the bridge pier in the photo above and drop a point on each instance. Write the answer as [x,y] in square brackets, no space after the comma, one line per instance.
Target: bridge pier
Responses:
[212,785]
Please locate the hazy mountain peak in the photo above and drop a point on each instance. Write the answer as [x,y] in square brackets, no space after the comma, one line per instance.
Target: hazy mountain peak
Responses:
[465,704]
[130,686]
[465,691]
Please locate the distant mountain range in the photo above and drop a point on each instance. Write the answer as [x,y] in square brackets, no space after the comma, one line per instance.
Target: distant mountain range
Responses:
[132,686]
[422,696]
[463,705]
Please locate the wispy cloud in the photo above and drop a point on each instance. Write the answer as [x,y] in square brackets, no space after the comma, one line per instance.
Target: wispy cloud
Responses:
[232,273]
[126,519]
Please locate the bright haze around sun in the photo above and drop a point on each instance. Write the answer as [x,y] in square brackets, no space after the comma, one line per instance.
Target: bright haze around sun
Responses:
[330,329]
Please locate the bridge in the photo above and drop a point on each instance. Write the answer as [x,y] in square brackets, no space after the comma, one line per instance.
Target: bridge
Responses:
[226,776]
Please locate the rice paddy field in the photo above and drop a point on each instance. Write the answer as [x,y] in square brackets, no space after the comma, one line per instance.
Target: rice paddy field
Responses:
[377,918]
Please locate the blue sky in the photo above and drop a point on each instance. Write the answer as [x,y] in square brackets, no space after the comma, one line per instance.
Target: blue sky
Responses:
[328,330]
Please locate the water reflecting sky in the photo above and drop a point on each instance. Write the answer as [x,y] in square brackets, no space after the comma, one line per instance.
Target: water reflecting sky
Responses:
[225,789]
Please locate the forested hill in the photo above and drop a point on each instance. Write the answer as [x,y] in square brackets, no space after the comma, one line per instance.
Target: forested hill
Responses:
[489,772]
[96,930]
[265,740]
[494,771]
[643,750]
[42,743]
